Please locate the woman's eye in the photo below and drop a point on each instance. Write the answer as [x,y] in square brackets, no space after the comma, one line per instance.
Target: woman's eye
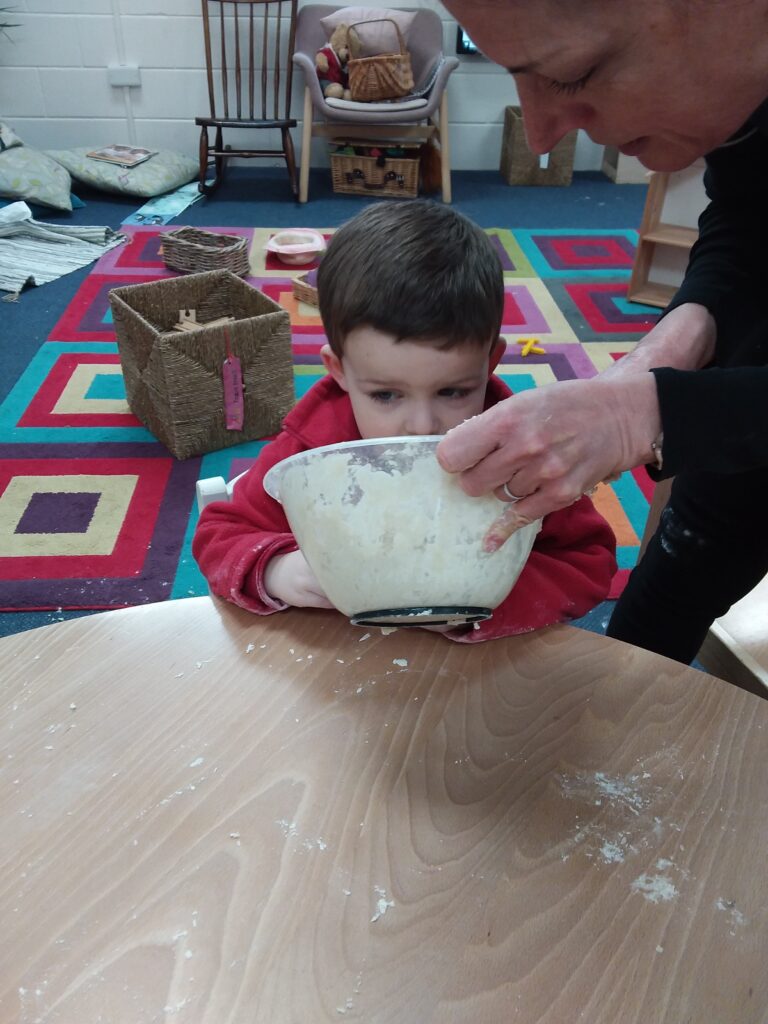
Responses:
[569,88]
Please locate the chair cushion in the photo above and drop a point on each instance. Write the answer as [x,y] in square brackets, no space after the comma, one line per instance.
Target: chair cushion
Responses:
[377,38]
[389,108]
[162,173]
[28,174]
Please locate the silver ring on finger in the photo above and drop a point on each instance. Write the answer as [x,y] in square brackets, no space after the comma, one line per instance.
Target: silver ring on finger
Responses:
[510,495]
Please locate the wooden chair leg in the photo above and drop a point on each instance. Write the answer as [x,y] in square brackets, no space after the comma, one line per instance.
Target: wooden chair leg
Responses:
[306,147]
[445,149]
[218,162]
[290,159]
[201,187]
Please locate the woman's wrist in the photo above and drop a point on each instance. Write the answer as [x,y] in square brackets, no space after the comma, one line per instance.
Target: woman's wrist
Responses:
[635,403]
[683,340]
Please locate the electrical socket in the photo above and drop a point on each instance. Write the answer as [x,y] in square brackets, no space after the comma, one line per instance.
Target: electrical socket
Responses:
[124,74]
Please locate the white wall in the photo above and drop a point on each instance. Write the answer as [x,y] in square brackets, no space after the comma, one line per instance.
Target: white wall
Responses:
[54,89]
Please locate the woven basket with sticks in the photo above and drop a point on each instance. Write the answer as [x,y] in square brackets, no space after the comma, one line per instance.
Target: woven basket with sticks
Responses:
[174,380]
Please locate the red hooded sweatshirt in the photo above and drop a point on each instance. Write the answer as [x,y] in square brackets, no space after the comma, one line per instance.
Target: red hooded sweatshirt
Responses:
[568,571]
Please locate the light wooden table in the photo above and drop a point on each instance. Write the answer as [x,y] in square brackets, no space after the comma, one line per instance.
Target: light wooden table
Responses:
[209,818]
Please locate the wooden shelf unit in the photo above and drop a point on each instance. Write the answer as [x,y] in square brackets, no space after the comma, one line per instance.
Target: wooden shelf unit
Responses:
[654,232]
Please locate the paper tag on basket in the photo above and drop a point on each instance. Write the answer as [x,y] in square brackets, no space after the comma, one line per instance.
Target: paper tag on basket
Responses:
[234,408]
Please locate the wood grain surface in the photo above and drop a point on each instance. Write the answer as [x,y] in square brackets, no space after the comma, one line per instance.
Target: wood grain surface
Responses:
[210,818]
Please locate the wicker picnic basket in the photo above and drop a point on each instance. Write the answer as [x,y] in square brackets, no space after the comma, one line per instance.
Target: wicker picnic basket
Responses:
[383,76]
[397,177]
[193,250]
[173,380]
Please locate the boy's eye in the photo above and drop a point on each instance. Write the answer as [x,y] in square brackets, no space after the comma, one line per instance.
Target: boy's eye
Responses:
[453,392]
[383,396]
[570,87]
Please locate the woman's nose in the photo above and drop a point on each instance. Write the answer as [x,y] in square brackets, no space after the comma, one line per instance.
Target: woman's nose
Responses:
[547,116]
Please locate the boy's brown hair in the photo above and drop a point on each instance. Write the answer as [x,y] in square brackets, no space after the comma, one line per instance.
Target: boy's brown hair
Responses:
[412,269]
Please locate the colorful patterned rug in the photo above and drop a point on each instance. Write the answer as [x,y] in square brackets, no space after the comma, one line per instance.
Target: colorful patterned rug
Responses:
[94,513]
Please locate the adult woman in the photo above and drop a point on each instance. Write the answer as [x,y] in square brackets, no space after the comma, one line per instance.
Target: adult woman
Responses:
[666,81]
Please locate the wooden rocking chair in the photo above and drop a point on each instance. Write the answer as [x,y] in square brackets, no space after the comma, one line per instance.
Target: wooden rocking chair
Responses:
[249,63]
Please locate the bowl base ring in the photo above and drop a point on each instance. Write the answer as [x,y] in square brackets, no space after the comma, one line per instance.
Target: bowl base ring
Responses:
[433,615]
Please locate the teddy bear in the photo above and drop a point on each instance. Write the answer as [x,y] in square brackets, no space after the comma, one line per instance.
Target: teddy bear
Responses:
[331,63]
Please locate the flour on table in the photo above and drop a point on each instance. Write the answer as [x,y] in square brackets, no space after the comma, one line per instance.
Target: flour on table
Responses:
[382,903]
[655,888]
[729,907]
[631,791]
[624,825]
[612,853]
[290,831]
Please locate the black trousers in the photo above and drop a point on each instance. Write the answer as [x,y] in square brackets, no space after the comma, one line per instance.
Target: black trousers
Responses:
[711,548]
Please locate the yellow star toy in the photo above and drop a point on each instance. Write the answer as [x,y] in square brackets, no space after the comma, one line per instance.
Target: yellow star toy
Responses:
[531,345]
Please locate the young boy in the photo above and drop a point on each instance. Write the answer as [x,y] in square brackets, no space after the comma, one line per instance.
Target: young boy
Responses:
[411,296]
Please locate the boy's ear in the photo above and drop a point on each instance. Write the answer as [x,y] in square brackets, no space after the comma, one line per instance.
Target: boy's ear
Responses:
[332,363]
[497,351]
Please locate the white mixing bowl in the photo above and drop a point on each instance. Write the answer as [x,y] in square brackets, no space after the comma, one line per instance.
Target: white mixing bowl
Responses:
[391,537]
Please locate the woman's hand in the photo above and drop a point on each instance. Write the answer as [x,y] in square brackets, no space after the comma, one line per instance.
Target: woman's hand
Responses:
[553,444]
[288,578]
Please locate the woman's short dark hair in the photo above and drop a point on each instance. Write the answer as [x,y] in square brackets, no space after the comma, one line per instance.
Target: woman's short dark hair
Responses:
[412,269]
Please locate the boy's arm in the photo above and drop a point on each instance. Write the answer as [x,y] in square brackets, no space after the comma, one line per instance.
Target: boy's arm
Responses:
[568,572]
[235,540]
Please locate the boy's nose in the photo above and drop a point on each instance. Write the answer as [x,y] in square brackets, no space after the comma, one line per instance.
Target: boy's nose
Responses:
[548,117]
[422,420]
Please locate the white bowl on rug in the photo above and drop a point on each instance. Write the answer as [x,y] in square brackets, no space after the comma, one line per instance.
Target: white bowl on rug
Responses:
[296,246]
[391,537]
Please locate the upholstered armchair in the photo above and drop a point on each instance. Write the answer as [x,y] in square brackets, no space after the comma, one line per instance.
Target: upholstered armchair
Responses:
[423,116]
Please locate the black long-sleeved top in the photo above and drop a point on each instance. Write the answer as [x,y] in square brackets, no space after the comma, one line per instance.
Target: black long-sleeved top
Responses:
[717,419]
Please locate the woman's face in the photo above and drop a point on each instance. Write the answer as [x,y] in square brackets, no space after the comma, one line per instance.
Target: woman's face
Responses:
[664,80]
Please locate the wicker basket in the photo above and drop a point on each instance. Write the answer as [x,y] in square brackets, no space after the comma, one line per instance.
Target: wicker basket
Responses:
[305,288]
[393,176]
[191,249]
[173,380]
[519,166]
[383,76]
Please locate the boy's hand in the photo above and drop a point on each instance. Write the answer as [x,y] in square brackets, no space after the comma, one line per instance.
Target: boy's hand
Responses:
[289,578]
